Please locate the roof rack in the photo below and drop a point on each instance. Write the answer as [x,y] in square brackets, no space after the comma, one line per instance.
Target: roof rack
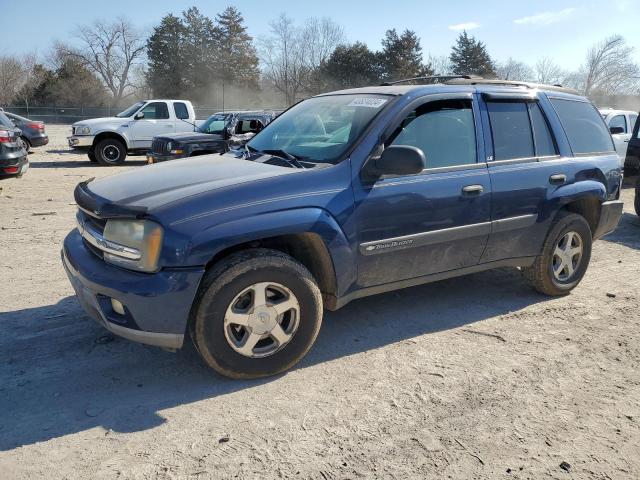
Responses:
[514,83]
[432,79]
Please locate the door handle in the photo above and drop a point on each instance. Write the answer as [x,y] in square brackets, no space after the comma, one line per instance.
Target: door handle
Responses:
[472,189]
[558,179]
[627,140]
[169,126]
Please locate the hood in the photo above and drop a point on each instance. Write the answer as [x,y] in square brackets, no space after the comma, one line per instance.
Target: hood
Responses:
[192,137]
[100,121]
[153,186]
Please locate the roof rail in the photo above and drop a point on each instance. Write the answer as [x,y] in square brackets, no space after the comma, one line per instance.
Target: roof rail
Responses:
[516,83]
[432,79]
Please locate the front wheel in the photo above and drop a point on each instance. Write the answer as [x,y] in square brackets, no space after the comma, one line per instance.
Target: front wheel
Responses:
[565,256]
[110,152]
[92,156]
[257,314]
[636,201]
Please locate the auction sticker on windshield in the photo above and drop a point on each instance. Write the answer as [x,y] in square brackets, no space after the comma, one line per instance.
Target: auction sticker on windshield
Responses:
[367,102]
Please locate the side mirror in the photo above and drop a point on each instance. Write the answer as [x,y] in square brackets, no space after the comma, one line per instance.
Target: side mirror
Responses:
[616,130]
[398,160]
[139,116]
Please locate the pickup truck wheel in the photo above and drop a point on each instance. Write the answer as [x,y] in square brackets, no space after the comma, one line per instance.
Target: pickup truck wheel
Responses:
[258,312]
[110,152]
[92,156]
[565,256]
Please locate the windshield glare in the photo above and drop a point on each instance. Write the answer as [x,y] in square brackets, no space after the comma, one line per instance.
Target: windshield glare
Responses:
[320,129]
[214,124]
[131,110]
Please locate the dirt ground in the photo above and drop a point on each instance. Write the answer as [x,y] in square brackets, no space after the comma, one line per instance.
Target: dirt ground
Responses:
[475,377]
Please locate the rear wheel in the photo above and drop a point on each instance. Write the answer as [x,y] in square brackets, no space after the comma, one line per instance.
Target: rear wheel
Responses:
[26,144]
[636,201]
[257,314]
[565,256]
[110,152]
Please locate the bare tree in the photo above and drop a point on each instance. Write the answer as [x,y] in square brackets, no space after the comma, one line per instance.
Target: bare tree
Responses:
[282,54]
[514,70]
[12,77]
[440,64]
[610,68]
[111,51]
[547,71]
[320,38]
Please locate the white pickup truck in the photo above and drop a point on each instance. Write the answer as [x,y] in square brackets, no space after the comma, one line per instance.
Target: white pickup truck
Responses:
[108,140]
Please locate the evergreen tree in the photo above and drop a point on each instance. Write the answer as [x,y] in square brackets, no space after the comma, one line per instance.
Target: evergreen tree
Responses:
[168,64]
[401,56]
[470,57]
[351,66]
[200,51]
[236,58]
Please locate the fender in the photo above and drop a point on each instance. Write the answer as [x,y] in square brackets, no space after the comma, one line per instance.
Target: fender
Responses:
[566,194]
[211,241]
[114,133]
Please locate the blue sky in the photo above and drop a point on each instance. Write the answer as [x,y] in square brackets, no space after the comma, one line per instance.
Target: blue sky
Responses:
[525,30]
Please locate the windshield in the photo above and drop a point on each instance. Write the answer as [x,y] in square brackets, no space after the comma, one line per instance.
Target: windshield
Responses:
[214,124]
[131,110]
[320,129]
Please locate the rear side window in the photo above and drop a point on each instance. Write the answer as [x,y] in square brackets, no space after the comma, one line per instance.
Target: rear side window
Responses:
[181,110]
[520,130]
[585,129]
[619,121]
[511,130]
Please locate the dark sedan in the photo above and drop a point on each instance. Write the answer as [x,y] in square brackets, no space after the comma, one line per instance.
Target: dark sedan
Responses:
[13,156]
[33,134]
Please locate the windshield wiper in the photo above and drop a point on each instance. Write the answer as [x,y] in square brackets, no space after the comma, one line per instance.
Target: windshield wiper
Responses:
[286,155]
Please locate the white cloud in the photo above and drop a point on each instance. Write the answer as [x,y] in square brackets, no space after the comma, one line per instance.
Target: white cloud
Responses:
[545,18]
[464,26]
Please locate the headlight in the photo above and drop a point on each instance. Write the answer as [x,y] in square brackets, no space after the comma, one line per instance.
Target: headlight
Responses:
[83,130]
[141,239]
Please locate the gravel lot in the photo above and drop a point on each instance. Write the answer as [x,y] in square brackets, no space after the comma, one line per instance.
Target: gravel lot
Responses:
[475,377]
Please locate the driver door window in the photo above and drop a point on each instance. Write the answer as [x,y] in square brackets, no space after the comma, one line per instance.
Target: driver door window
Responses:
[155,111]
[443,130]
[155,122]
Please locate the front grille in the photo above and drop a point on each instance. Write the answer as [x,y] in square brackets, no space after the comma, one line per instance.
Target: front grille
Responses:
[159,146]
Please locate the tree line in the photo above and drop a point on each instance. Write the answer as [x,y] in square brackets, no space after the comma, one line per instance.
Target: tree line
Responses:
[210,60]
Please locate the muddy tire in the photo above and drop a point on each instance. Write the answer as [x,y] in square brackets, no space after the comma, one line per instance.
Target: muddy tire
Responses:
[257,313]
[110,152]
[565,256]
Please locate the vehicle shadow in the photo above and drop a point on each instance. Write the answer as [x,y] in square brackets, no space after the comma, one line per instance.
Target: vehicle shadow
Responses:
[61,373]
[627,233]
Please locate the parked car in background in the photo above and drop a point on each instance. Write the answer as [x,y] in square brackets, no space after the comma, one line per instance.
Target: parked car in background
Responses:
[632,159]
[210,137]
[220,132]
[248,124]
[620,123]
[13,156]
[345,195]
[109,140]
[33,132]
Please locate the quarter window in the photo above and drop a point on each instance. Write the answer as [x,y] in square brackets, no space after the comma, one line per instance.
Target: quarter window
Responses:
[543,139]
[156,111]
[443,130]
[585,128]
[619,121]
[181,110]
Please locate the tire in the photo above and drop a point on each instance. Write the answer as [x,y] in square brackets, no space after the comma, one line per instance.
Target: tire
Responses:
[110,152]
[26,143]
[541,274]
[231,284]
[92,156]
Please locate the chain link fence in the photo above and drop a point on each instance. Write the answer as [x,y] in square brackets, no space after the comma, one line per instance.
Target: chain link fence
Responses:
[69,115]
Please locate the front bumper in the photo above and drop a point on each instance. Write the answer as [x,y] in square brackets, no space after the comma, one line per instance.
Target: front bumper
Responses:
[610,215]
[79,141]
[157,305]
[157,158]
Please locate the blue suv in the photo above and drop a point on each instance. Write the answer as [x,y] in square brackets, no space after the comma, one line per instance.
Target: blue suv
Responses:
[345,195]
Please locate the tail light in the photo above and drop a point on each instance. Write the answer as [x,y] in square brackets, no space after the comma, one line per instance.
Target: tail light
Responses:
[38,126]
[5,136]
[11,169]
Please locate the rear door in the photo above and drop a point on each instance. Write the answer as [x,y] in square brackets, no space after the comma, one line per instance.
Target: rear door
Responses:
[524,165]
[156,121]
